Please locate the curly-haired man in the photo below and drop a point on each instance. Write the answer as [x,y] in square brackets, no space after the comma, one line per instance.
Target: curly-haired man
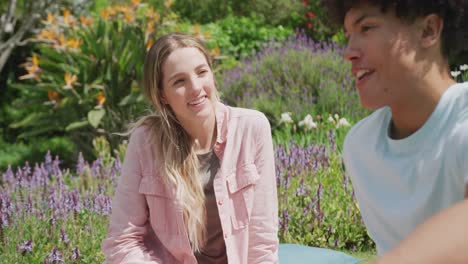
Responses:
[408,160]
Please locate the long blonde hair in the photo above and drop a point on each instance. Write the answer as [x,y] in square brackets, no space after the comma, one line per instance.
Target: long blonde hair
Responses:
[172,143]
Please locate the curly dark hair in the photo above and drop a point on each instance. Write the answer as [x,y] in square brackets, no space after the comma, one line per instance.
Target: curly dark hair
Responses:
[453,12]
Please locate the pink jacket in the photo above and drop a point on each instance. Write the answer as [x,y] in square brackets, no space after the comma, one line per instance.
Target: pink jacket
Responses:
[146,224]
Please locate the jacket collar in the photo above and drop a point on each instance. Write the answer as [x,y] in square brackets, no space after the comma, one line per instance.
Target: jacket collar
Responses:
[222,119]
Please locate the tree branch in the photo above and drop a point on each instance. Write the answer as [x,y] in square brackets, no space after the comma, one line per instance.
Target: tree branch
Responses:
[33,10]
[8,18]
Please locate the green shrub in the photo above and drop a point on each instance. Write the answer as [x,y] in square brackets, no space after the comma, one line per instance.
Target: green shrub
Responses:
[33,152]
[317,206]
[234,36]
[460,73]
[206,11]
[299,76]
[203,11]
[83,79]
[316,22]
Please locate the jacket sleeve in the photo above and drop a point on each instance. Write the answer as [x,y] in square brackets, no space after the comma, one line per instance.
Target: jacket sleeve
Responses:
[129,222]
[263,227]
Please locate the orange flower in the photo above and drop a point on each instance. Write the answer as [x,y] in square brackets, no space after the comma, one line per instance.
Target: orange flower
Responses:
[149,44]
[168,3]
[54,96]
[129,17]
[32,67]
[216,52]
[135,3]
[196,29]
[105,14]
[149,28]
[123,8]
[67,17]
[60,43]
[152,15]
[70,80]
[207,35]
[50,19]
[87,21]
[47,34]
[73,43]
[66,13]
[101,99]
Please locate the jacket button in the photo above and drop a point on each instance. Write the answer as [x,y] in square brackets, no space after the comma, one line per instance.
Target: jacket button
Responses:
[220,202]
[225,235]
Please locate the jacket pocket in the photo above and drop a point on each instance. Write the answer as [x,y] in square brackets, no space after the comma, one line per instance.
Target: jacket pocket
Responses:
[241,187]
[161,206]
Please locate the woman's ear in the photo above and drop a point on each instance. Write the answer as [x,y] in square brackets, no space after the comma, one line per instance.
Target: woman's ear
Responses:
[162,98]
[432,26]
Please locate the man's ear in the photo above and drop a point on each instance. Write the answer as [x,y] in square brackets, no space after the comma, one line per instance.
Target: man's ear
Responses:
[432,26]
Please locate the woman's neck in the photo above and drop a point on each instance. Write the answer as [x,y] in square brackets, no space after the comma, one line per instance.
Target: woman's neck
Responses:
[203,133]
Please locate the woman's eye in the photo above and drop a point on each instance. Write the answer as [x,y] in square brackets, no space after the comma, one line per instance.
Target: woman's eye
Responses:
[178,82]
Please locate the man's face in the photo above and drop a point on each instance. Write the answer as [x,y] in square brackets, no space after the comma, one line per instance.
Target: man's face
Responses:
[383,50]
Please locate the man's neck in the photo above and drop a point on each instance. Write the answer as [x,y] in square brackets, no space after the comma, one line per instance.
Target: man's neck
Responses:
[413,111]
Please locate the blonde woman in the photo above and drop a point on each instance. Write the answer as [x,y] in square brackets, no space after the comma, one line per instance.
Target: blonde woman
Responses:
[198,181]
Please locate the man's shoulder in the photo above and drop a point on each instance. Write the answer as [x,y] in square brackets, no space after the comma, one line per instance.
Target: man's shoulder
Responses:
[460,114]
[366,128]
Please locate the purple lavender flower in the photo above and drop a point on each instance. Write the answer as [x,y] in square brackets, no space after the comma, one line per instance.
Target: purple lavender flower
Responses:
[25,247]
[28,207]
[74,201]
[56,167]
[53,200]
[64,237]
[54,257]
[8,176]
[95,169]
[285,220]
[48,162]
[80,167]
[75,255]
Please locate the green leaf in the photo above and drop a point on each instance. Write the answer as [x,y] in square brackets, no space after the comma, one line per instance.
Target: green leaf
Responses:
[76,125]
[38,131]
[28,120]
[131,99]
[21,86]
[95,116]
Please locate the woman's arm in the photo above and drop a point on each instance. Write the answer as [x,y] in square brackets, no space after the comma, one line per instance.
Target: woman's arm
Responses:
[263,227]
[129,220]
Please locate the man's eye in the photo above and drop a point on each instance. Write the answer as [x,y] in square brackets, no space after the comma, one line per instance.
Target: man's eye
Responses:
[366,28]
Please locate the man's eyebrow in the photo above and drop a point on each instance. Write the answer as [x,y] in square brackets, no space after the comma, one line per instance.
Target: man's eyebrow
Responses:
[359,20]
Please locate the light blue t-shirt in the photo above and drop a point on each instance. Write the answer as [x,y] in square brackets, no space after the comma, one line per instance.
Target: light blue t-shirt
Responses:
[401,183]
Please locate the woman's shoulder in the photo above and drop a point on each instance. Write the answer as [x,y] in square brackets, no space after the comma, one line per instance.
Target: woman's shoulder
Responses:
[248,115]
[249,120]
[140,135]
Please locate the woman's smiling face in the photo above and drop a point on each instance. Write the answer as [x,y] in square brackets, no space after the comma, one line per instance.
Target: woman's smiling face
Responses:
[188,85]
